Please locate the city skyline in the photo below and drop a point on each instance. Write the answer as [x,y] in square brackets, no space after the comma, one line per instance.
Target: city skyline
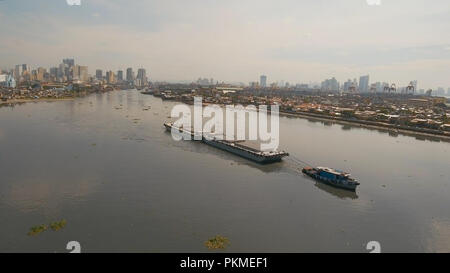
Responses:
[288,42]
[69,70]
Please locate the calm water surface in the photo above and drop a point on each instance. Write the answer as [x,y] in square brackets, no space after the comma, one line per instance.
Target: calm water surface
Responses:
[108,167]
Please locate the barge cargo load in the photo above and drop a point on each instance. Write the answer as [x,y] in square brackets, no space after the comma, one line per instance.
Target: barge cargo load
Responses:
[239,148]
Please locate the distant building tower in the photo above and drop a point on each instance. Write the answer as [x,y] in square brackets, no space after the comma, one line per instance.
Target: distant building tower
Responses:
[120,75]
[83,73]
[10,82]
[40,74]
[263,81]
[141,79]
[69,62]
[18,71]
[130,76]
[53,73]
[99,74]
[330,85]
[364,84]
[347,85]
[110,77]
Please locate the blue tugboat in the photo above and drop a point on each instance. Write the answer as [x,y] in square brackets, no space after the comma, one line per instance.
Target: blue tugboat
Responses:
[332,177]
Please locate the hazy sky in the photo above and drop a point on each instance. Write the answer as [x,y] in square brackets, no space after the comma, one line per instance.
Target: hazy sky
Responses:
[236,40]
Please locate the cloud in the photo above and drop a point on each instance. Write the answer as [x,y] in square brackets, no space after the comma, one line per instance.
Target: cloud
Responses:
[232,40]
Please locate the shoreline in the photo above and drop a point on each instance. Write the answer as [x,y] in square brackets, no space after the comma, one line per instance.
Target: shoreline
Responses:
[363,124]
[390,128]
[20,101]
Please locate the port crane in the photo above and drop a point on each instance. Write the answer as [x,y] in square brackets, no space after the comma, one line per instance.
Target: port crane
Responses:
[410,87]
[393,88]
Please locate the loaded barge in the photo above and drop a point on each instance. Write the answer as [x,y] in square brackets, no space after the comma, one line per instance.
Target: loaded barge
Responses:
[234,147]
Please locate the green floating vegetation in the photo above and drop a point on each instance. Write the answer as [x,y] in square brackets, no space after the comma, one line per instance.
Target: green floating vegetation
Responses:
[37,229]
[55,226]
[217,242]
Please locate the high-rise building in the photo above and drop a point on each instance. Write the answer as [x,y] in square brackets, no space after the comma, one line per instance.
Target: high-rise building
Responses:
[330,85]
[80,73]
[99,74]
[414,84]
[83,72]
[53,72]
[120,75]
[18,71]
[75,72]
[364,84]
[69,62]
[130,75]
[141,79]
[10,82]
[25,68]
[347,85]
[40,75]
[62,72]
[110,77]
[263,81]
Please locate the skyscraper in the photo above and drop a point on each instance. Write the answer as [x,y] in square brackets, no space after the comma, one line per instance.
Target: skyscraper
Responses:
[62,72]
[99,74]
[330,85]
[110,77]
[130,76]
[53,72]
[141,79]
[83,72]
[364,84]
[263,81]
[69,62]
[120,75]
[41,74]
[75,72]
[18,72]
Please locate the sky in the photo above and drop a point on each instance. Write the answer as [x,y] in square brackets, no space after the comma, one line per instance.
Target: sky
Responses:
[297,41]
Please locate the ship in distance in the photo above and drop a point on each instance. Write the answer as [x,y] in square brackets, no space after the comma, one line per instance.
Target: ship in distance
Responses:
[235,147]
[332,177]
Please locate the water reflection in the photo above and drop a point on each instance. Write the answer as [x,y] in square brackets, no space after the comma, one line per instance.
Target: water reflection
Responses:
[340,193]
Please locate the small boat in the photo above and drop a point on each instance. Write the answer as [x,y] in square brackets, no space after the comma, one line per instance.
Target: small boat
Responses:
[332,177]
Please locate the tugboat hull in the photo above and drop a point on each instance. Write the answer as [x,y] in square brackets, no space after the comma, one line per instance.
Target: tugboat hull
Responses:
[342,184]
